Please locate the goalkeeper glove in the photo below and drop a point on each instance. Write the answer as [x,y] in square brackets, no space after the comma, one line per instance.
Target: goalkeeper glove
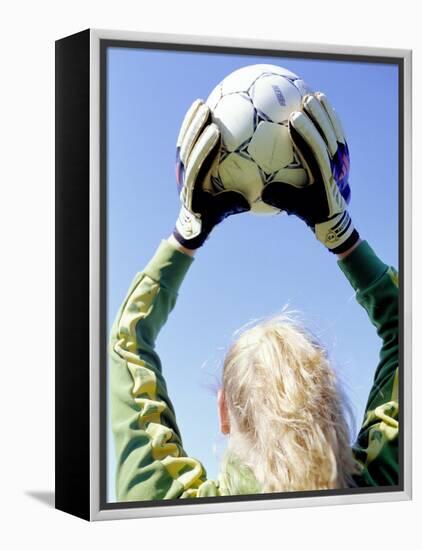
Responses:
[198,150]
[320,145]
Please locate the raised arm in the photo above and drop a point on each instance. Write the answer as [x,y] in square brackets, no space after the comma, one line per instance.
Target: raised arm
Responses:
[148,444]
[377,445]
[151,461]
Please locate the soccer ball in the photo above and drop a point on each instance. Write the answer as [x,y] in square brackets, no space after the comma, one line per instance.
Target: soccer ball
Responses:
[251,107]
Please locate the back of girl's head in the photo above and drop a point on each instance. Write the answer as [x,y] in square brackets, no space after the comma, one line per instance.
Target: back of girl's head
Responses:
[287,420]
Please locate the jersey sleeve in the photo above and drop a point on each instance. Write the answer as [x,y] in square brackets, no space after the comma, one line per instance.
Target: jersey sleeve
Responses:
[377,446]
[151,461]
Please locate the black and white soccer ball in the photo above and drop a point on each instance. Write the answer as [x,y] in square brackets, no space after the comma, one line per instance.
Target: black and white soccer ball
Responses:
[251,106]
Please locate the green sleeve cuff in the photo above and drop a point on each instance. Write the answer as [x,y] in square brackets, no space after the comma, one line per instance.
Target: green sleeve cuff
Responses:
[362,267]
[168,266]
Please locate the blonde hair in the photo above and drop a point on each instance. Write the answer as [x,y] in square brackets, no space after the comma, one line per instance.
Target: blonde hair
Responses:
[287,413]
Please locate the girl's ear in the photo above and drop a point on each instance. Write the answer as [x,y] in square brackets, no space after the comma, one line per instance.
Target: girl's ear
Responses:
[223,413]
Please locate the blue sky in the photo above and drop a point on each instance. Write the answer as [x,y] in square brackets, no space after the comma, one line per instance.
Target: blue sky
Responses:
[251,266]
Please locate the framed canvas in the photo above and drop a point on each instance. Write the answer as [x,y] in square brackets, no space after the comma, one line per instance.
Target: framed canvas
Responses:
[235,336]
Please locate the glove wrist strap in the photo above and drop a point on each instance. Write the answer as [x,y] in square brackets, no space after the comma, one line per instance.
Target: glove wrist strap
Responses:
[189,229]
[338,233]
[191,244]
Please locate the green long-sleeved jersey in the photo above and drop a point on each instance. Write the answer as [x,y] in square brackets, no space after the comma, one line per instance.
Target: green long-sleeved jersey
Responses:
[151,461]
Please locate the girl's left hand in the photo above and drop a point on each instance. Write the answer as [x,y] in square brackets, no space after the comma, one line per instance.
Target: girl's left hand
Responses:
[198,150]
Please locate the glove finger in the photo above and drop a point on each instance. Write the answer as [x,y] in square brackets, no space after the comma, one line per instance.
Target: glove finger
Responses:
[310,146]
[187,120]
[319,117]
[197,119]
[335,120]
[313,151]
[202,156]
